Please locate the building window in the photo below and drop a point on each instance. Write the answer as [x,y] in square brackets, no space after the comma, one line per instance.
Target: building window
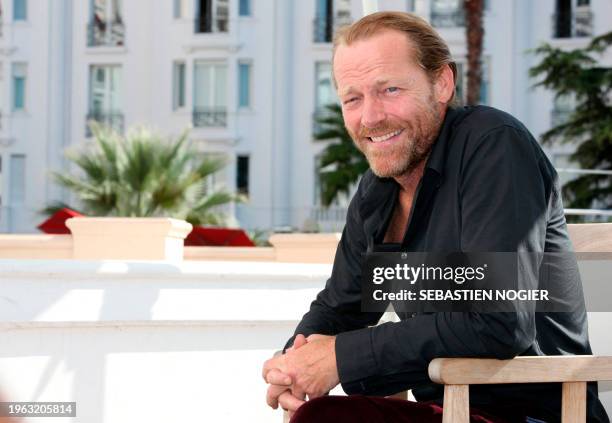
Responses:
[563,106]
[105,27]
[20,10]
[178,85]
[212,16]
[485,82]
[461,83]
[19,86]
[325,94]
[242,175]
[572,18]
[105,96]
[244,84]
[329,16]
[447,13]
[209,94]
[244,8]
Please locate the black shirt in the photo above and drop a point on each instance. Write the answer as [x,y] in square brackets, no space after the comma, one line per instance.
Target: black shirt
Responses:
[487,186]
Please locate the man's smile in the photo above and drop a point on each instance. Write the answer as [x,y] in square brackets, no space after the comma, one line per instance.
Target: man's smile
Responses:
[386,137]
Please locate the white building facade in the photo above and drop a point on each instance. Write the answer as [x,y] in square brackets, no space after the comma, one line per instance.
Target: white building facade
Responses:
[248,76]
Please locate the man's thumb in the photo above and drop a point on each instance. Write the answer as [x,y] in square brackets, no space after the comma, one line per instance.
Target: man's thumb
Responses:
[299,341]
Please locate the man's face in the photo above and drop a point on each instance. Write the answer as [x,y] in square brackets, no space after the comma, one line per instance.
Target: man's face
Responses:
[388,102]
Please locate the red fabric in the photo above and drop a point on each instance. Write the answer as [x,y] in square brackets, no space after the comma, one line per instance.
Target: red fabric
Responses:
[219,237]
[362,409]
[56,224]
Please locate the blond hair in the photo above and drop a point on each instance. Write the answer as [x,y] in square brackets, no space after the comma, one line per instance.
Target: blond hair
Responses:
[431,51]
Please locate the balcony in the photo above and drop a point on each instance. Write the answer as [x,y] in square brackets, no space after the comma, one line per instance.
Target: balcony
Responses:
[324,28]
[205,25]
[454,18]
[112,120]
[111,34]
[572,25]
[209,117]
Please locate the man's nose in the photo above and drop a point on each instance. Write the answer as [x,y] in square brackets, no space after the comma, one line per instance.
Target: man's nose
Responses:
[373,113]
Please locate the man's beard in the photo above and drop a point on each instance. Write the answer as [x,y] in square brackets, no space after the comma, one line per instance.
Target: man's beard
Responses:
[407,152]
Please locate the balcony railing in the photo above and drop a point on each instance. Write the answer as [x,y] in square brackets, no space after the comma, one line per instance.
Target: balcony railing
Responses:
[209,116]
[448,19]
[323,28]
[570,25]
[110,34]
[209,25]
[112,120]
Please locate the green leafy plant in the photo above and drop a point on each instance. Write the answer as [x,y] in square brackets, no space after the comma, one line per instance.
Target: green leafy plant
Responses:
[341,164]
[578,73]
[141,174]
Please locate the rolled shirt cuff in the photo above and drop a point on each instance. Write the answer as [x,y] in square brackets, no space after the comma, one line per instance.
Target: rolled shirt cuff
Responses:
[355,360]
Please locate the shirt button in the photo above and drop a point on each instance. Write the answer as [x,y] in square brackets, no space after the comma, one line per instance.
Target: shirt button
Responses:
[413,314]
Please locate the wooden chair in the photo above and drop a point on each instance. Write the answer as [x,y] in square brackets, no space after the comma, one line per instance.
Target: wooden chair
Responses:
[573,372]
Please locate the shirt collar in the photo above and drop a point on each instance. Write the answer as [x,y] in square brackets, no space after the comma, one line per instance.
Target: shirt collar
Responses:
[437,157]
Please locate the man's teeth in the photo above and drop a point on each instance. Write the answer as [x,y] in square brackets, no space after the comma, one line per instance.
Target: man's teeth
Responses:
[385,137]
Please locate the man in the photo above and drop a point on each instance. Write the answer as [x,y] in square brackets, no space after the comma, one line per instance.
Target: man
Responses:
[441,179]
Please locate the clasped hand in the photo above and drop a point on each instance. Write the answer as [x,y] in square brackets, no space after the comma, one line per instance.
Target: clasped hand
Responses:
[307,369]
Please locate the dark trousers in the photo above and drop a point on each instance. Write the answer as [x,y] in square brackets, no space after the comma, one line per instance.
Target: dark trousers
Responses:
[362,409]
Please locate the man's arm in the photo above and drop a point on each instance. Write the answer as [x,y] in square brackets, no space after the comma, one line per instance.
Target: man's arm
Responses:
[337,307]
[504,207]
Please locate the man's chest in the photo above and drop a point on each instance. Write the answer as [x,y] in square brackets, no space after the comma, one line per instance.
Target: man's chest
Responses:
[399,220]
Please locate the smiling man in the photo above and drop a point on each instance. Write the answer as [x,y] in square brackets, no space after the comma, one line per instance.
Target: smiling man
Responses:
[441,179]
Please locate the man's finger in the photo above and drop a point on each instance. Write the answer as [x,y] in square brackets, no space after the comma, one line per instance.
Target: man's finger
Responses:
[289,402]
[276,377]
[299,341]
[272,363]
[274,391]
[266,368]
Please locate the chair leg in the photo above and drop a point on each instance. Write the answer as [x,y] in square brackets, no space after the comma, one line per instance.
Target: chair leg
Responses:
[573,402]
[456,404]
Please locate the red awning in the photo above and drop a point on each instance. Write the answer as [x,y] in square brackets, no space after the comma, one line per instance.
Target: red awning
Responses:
[218,237]
[56,224]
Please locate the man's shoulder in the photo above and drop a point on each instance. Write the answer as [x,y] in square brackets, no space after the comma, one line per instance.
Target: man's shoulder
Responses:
[500,130]
[481,121]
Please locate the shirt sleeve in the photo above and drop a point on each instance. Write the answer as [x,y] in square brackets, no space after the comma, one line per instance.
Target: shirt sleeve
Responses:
[503,205]
[337,307]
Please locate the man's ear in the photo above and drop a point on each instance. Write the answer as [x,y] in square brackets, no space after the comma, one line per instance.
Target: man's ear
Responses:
[445,85]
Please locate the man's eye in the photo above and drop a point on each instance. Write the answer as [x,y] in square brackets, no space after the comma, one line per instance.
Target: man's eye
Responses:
[350,100]
[392,89]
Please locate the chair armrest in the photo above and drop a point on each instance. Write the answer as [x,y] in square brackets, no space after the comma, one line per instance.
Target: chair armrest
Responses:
[524,369]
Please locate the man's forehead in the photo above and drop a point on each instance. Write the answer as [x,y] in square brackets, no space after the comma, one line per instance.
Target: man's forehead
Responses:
[386,55]
[386,42]
[387,50]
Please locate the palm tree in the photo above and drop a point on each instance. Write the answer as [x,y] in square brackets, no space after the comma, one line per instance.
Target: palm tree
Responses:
[143,175]
[474,35]
[341,163]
